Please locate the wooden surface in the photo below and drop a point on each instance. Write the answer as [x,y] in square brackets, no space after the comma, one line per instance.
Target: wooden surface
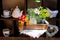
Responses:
[27,38]
[8,4]
[32,4]
[8,18]
[34,27]
[50,3]
[37,26]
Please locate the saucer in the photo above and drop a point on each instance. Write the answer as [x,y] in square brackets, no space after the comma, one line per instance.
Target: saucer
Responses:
[5,16]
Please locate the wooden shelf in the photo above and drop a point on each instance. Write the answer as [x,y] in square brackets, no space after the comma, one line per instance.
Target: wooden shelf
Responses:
[9,18]
[28,38]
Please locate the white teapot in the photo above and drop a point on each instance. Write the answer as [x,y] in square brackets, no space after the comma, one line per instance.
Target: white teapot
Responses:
[17,13]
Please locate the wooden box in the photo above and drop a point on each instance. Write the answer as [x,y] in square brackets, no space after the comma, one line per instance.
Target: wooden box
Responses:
[33,27]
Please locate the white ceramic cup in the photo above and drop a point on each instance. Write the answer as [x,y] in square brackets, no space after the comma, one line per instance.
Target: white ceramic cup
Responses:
[6,32]
[6,13]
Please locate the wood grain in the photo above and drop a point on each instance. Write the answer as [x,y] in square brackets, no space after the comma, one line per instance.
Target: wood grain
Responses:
[33,27]
[27,38]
